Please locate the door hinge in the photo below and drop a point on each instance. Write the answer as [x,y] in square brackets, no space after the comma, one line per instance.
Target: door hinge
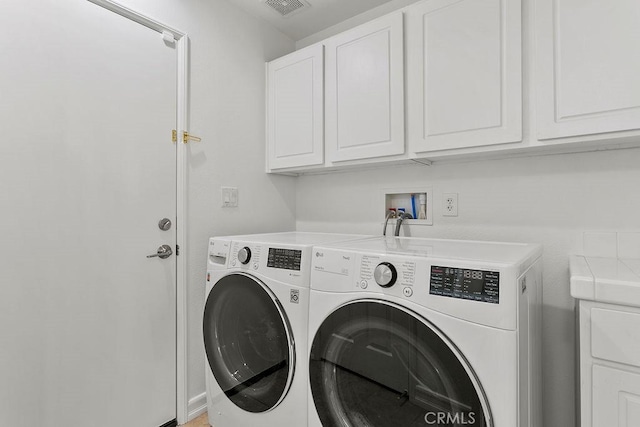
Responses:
[186,137]
[177,250]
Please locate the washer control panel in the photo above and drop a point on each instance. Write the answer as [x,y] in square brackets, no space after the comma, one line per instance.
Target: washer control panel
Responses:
[475,285]
[287,259]
[285,263]
[244,255]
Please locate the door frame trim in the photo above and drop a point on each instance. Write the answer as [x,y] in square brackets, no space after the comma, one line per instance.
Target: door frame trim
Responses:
[182,120]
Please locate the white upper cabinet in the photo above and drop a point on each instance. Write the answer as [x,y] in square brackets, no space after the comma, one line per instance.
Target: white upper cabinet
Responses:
[364,94]
[464,73]
[464,84]
[588,66]
[295,126]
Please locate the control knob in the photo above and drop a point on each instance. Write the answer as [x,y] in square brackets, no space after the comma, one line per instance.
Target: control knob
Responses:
[385,274]
[244,255]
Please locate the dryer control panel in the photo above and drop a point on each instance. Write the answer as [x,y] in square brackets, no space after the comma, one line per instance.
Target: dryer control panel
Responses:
[476,285]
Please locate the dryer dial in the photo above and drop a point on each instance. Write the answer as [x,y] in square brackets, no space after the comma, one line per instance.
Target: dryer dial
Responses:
[385,274]
[244,255]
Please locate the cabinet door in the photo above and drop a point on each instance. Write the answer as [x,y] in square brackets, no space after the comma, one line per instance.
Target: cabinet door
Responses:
[588,66]
[616,397]
[364,95]
[295,109]
[464,73]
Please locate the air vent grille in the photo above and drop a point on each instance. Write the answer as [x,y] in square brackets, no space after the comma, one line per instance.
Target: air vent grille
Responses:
[286,7]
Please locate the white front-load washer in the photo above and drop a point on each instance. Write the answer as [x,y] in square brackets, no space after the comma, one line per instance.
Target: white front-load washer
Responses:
[255,328]
[425,332]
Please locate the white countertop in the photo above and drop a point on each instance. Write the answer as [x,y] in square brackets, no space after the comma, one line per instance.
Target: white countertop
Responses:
[611,280]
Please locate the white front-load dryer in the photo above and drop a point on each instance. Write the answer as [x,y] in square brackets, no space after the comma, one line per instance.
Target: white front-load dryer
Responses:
[425,332]
[255,328]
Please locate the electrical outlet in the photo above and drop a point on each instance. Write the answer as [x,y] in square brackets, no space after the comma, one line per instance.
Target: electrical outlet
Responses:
[229,197]
[449,204]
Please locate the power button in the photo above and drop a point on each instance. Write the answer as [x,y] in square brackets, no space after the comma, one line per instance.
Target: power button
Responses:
[407,292]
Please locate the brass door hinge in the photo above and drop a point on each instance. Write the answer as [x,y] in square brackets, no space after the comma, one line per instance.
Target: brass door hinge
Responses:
[186,137]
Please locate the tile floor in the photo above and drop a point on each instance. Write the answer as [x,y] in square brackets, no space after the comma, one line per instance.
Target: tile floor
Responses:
[201,421]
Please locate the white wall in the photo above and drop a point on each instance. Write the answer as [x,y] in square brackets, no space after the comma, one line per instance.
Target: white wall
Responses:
[549,200]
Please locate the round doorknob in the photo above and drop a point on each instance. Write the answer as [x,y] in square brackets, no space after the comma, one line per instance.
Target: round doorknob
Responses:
[244,255]
[385,274]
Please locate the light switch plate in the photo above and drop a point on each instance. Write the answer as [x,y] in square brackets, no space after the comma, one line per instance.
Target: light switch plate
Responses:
[229,197]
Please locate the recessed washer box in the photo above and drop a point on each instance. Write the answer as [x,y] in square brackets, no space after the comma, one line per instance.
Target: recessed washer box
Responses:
[394,198]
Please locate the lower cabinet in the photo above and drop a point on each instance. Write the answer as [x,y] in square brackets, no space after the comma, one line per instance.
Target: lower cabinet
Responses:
[616,397]
[609,365]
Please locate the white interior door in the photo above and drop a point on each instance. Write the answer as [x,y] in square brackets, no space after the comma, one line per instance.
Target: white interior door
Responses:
[87,321]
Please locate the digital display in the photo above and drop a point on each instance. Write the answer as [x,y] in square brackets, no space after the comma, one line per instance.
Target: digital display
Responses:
[476,285]
[288,259]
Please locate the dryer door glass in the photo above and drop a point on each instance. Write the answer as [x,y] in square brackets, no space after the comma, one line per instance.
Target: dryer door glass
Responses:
[376,364]
[248,343]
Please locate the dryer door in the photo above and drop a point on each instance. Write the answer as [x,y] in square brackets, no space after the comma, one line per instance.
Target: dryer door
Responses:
[375,363]
[248,342]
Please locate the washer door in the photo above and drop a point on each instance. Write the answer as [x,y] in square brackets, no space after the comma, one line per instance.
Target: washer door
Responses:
[248,342]
[376,364]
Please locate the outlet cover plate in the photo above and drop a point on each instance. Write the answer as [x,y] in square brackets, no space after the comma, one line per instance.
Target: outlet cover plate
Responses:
[449,204]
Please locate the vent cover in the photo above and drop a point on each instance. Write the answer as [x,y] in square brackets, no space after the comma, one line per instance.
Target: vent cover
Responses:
[287,8]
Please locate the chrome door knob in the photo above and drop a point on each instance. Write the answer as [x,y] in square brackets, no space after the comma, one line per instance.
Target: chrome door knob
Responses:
[385,274]
[244,255]
[163,252]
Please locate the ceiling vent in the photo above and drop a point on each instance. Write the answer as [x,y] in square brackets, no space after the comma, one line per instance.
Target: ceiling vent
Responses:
[287,8]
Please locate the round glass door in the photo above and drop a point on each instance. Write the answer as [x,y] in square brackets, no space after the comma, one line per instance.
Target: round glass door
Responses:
[248,343]
[377,364]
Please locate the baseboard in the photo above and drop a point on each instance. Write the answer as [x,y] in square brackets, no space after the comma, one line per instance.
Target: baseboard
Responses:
[197,406]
